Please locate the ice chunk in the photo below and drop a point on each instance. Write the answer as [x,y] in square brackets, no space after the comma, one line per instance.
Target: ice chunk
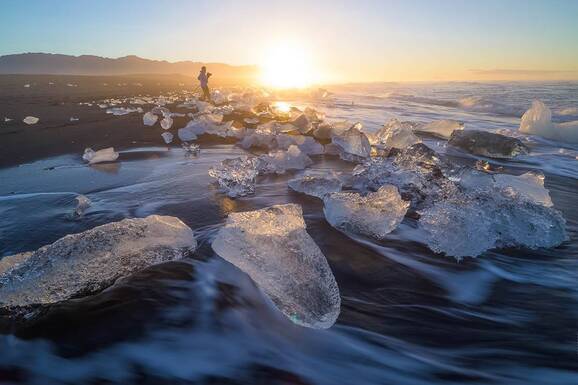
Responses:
[352,142]
[301,123]
[395,134]
[82,203]
[186,134]
[375,215]
[273,247]
[236,177]
[305,143]
[279,161]
[487,144]
[538,121]
[119,111]
[259,138]
[530,186]
[316,184]
[88,262]
[149,119]
[166,123]
[468,224]
[191,148]
[104,155]
[441,128]
[74,119]
[167,137]
[6,119]
[26,85]
[30,120]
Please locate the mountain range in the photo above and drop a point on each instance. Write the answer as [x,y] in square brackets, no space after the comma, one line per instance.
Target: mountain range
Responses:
[56,64]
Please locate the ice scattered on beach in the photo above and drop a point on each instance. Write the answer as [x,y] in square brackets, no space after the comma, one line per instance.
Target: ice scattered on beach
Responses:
[538,121]
[316,184]
[30,120]
[104,155]
[273,247]
[440,128]
[279,161]
[88,262]
[395,134]
[375,214]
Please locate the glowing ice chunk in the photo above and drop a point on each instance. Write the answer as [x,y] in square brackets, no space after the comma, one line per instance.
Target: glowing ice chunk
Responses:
[30,120]
[104,155]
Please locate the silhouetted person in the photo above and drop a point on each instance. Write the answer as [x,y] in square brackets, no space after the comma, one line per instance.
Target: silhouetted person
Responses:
[204,80]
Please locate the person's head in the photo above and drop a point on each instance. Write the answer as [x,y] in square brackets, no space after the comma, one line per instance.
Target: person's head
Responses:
[203,69]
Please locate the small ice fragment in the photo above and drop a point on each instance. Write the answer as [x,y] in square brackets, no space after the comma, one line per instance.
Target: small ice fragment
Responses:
[30,120]
[441,128]
[104,155]
[273,247]
[353,142]
[395,134]
[88,262]
[74,119]
[167,137]
[26,85]
[236,177]
[149,119]
[375,215]
[316,184]
[191,148]
[6,119]
[82,203]
[166,123]
[302,123]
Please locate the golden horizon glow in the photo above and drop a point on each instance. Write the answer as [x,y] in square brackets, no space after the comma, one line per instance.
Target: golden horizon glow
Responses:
[287,64]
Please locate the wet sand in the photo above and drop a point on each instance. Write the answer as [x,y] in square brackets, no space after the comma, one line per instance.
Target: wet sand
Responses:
[56,103]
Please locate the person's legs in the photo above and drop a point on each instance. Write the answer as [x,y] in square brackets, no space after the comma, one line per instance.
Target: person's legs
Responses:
[206,94]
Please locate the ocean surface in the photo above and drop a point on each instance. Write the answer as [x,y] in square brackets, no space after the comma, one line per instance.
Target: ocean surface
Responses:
[408,315]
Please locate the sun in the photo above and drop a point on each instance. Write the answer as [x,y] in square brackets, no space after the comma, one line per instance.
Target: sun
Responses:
[287,65]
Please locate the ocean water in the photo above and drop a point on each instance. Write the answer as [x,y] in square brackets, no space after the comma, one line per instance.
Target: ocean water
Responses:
[408,316]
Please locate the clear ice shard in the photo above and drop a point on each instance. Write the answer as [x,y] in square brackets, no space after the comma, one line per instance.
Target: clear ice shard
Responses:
[273,247]
[104,155]
[353,143]
[487,144]
[375,215]
[236,177]
[186,134]
[88,262]
[30,120]
[306,144]
[167,137]
[166,123]
[82,204]
[149,119]
[395,134]
[440,128]
[279,161]
[468,224]
[316,184]
[529,186]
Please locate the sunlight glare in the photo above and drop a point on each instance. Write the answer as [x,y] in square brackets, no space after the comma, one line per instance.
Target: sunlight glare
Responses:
[287,65]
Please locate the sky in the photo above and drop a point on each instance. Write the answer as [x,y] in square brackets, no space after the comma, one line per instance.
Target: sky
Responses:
[343,41]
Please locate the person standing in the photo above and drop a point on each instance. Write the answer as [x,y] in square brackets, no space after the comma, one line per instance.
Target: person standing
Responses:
[204,80]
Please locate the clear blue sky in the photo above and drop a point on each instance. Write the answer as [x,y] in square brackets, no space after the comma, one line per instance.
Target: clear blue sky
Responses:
[355,40]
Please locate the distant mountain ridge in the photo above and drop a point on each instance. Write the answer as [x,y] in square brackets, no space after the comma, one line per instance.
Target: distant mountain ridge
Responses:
[57,64]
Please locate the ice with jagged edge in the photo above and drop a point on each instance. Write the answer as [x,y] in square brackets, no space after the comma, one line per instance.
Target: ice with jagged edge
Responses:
[395,134]
[82,204]
[469,223]
[273,247]
[538,121]
[441,128]
[279,161]
[105,155]
[236,176]
[487,144]
[88,262]
[375,214]
[317,184]
[353,143]
[306,144]
[149,119]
